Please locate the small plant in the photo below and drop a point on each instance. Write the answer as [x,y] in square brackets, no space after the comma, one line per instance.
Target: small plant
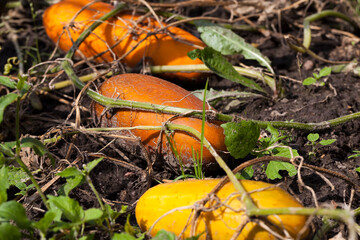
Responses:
[313,138]
[64,214]
[276,144]
[326,71]
[355,155]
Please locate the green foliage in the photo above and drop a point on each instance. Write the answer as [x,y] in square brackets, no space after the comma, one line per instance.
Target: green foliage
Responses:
[14,211]
[326,71]
[273,168]
[4,184]
[222,67]
[10,98]
[358,169]
[164,235]
[9,232]
[64,213]
[75,177]
[123,236]
[247,173]
[38,147]
[18,177]
[70,209]
[160,235]
[227,42]
[241,137]
[357,154]
[276,145]
[5,101]
[314,143]
[128,228]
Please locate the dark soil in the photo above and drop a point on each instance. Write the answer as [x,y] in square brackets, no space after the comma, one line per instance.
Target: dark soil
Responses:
[123,181]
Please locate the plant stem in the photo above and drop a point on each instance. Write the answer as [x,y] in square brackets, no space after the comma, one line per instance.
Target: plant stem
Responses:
[134,105]
[317,16]
[90,183]
[17,155]
[203,68]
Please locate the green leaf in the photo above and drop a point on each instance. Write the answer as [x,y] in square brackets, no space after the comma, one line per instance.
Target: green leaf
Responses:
[313,137]
[220,65]
[73,182]
[227,42]
[316,76]
[326,71]
[241,137]
[274,134]
[4,148]
[357,154]
[273,168]
[44,223]
[56,210]
[70,172]
[22,84]
[14,211]
[128,228]
[285,152]
[17,175]
[8,82]
[357,169]
[74,177]
[113,215]
[247,173]
[327,141]
[93,214]
[9,232]
[309,81]
[70,208]
[4,184]
[164,235]
[91,165]
[5,101]
[88,237]
[123,236]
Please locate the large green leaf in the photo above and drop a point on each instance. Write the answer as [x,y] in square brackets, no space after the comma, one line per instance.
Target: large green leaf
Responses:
[93,214]
[8,82]
[44,223]
[222,67]
[9,232]
[14,211]
[241,137]
[70,208]
[227,42]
